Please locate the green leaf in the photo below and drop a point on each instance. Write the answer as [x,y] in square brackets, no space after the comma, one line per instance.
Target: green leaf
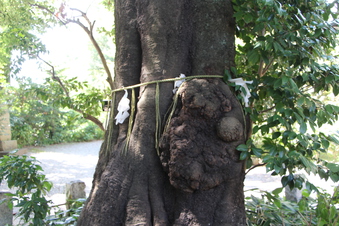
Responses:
[285,181]
[277,169]
[334,177]
[253,57]
[248,18]
[277,191]
[264,129]
[323,174]
[333,167]
[255,129]
[277,83]
[277,203]
[47,185]
[257,151]
[303,128]
[277,47]
[242,148]
[294,86]
[275,135]
[244,155]
[305,193]
[300,101]
[309,166]
[325,143]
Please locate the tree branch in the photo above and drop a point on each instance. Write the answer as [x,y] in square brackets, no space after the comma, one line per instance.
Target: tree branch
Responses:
[261,64]
[89,31]
[267,67]
[263,70]
[267,110]
[71,106]
[93,119]
[255,166]
[49,11]
[55,77]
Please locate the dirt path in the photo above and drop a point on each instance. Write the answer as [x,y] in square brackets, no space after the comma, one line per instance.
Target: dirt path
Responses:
[64,163]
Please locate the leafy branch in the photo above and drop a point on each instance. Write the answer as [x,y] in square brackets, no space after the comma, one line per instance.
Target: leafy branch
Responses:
[289,71]
[71,105]
[89,31]
[62,16]
[25,174]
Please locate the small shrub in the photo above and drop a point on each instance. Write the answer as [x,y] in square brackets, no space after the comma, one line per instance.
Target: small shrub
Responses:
[68,217]
[24,174]
[271,209]
[39,116]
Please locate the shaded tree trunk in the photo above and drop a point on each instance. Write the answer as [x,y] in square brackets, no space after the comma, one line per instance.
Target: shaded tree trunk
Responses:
[197,179]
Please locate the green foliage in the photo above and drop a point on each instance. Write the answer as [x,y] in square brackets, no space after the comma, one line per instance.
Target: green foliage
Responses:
[39,116]
[284,47]
[24,174]
[84,98]
[20,26]
[68,217]
[271,209]
[19,22]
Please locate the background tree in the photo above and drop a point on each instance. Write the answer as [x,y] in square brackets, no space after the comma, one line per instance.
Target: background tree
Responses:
[19,22]
[39,115]
[20,41]
[287,50]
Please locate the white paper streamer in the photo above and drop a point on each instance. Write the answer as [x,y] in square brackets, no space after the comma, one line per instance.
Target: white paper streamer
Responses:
[178,83]
[123,108]
[241,82]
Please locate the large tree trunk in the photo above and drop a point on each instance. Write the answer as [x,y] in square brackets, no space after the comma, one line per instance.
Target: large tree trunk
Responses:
[197,179]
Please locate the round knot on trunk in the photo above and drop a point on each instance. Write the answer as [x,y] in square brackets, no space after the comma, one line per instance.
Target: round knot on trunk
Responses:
[198,150]
[230,129]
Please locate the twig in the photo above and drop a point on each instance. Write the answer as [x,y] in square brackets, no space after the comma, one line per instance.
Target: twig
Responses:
[267,67]
[86,116]
[255,166]
[261,64]
[49,11]
[267,110]
[62,204]
[89,32]
[54,77]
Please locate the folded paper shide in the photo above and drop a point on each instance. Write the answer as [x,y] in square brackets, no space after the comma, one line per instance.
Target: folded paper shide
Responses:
[241,82]
[123,108]
[178,83]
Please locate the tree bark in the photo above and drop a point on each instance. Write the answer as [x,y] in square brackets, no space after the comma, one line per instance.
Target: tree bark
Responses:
[197,179]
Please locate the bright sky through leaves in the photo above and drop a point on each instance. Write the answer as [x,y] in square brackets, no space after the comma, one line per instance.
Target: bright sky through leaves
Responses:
[69,45]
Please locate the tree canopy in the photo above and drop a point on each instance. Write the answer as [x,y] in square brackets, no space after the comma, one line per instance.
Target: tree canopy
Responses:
[20,22]
[287,48]
[21,40]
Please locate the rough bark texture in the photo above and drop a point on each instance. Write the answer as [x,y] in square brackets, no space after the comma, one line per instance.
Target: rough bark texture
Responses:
[198,178]
[199,148]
